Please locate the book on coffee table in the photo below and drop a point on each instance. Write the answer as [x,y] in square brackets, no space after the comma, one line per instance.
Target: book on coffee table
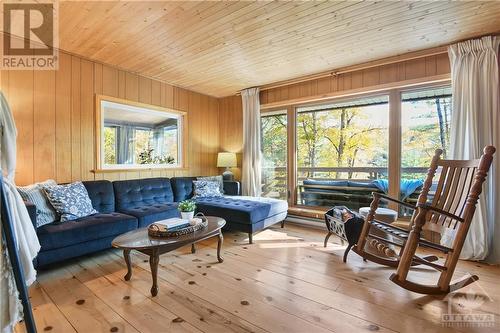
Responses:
[172,224]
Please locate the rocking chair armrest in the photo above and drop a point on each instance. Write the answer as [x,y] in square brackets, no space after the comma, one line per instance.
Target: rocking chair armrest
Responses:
[386,197]
[440,211]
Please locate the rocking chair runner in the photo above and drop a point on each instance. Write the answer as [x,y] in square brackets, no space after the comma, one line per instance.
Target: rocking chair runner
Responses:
[453,206]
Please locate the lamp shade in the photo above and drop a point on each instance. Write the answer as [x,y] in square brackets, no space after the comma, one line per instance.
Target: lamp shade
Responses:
[226,160]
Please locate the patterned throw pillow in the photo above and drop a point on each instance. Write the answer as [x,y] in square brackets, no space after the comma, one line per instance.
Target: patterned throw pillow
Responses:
[71,201]
[217,179]
[35,194]
[206,188]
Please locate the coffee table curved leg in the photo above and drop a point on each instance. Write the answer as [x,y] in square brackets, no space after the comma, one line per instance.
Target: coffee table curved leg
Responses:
[154,259]
[219,246]
[126,255]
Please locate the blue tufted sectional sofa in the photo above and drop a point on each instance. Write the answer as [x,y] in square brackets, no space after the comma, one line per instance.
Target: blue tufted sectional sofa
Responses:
[131,204]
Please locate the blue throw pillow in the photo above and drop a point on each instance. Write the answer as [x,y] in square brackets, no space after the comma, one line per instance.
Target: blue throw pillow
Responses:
[206,188]
[71,201]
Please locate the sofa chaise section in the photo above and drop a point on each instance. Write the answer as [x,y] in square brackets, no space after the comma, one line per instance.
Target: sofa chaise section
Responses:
[247,214]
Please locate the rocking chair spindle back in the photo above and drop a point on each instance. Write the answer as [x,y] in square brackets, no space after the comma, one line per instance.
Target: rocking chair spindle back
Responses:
[452,205]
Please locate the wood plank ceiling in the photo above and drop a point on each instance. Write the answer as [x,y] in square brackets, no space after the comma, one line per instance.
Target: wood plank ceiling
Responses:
[218,48]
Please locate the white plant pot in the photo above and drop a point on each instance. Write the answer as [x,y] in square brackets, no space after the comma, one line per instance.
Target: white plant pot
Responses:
[187,215]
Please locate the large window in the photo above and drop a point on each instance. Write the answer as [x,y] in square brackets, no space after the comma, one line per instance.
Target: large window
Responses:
[338,153]
[342,152]
[274,151]
[425,127]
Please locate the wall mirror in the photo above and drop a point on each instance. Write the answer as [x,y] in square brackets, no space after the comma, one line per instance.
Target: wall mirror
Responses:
[136,136]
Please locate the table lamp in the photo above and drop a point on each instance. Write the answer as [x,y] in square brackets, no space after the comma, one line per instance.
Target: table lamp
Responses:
[227,160]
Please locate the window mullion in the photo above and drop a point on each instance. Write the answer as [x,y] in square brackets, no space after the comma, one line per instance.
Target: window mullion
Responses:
[291,156]
[394,144]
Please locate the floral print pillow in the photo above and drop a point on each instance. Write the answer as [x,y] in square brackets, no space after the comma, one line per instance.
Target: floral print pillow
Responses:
[206,188]
[217,179]
[71,201]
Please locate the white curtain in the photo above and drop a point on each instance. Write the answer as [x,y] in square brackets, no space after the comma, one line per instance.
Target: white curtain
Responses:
[251,173]
[159,142]
[475,124]
[125,144]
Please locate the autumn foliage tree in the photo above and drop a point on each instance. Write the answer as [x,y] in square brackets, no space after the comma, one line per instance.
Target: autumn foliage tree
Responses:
[355,137]
[338,138]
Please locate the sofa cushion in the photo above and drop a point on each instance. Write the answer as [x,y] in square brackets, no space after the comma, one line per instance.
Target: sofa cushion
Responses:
[246,210]
[102,195]
[361,184]
[332,183]
[182,187]
[52,236]
[147,214]
[130,194]
[277,206]
[232,187]
[342,183]
[48,257]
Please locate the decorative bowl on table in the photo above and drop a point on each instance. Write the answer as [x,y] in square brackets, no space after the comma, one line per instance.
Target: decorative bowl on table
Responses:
[199,222]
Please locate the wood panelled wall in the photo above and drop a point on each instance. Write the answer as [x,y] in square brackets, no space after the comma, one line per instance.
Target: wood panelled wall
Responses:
[231,128]
[230,109]
[55,113]
[364,79]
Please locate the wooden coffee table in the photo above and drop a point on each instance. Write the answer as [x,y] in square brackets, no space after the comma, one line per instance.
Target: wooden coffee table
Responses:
[139,240]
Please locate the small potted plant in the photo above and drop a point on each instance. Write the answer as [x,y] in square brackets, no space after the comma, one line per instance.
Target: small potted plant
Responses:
[187,208]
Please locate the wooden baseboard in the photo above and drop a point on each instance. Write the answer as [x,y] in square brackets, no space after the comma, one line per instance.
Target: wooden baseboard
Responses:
[307,212]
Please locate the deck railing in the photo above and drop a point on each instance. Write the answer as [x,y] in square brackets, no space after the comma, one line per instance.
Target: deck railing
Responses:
[274,178]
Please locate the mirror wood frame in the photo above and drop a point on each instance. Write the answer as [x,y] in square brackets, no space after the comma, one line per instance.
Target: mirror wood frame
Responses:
[100,168]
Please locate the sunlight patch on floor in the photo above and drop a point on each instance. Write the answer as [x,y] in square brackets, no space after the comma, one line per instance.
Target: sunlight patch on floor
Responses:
[272,235]
[273,239]
[291,245]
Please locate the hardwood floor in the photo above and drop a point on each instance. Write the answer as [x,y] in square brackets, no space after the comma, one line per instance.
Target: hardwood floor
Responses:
[285,282]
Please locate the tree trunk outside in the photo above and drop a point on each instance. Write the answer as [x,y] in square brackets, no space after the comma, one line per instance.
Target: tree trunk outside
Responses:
[442,131]
[340,151]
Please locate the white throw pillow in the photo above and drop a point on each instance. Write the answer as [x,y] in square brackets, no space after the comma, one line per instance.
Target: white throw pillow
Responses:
[35,194]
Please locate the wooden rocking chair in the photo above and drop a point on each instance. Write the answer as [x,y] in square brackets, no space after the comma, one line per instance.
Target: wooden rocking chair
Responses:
[452,206]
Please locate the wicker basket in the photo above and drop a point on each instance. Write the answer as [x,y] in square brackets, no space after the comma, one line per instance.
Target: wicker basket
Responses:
[155,231]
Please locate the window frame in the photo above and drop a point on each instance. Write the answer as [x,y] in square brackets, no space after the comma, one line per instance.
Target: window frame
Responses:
[280,112]
[101,167]
[395,135]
